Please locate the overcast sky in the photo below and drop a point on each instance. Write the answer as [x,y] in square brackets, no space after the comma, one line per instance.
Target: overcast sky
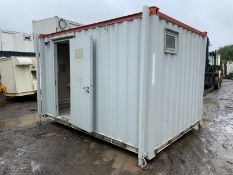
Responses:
[215,17]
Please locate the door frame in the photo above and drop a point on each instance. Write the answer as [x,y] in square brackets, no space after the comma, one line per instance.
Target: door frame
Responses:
[56,72]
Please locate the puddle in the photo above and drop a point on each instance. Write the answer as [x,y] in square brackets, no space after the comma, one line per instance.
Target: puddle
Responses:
[21,121]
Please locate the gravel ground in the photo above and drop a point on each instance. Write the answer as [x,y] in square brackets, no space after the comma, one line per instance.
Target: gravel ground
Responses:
[29,147]
[17,107]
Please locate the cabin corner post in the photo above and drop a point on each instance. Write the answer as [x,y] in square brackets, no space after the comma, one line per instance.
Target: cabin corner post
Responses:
[41,80]
[38,72]
[144,44]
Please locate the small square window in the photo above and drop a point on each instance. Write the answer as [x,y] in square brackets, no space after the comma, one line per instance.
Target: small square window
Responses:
[171,41]
[28,38]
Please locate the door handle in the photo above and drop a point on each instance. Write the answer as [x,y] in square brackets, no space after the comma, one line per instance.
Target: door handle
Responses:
[87,89]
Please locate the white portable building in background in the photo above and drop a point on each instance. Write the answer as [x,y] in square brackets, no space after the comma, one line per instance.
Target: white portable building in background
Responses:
[135,81]
[18,74]
[17,63]
[52,25]
[229,67]
[11,41]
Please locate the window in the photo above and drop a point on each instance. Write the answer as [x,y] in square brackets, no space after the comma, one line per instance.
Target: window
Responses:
[171,41]
[33,74]
[28,38]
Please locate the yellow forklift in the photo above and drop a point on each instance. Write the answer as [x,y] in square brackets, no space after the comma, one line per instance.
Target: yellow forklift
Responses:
[213,69]
[2,93]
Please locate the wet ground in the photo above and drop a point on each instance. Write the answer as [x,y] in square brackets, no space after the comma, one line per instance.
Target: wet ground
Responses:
[27,147]
[16,107]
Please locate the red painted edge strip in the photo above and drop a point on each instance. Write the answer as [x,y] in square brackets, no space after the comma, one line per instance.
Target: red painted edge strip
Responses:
[153,11]
[180,24]
[99,24]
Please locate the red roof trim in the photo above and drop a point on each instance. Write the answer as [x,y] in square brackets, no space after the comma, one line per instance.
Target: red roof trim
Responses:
[180,24]
[153,11]
[95,25]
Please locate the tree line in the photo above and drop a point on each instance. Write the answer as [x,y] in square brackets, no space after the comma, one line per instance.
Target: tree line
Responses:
[226,53]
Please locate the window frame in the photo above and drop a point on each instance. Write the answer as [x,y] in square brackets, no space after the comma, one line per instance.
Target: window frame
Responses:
[176,36]
[27,37]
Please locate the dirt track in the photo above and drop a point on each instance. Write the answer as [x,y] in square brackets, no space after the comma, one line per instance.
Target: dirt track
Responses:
[27,147]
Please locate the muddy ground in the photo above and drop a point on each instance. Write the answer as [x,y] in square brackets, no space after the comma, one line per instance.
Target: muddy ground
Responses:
[27,147]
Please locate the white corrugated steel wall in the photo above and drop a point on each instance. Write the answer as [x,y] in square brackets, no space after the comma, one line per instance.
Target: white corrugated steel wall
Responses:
[117,57]
[117,68]
[175,82]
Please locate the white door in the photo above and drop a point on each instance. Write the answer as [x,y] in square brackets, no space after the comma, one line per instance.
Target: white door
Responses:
[81,70]
[49,80]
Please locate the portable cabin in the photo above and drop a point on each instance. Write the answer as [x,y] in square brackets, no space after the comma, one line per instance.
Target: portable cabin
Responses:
[18,75]
[53,24]
[136,81]
[16,44]
[229,68]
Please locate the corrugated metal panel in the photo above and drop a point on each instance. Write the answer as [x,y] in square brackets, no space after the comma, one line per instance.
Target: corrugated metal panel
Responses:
[175,84]
[117,59]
